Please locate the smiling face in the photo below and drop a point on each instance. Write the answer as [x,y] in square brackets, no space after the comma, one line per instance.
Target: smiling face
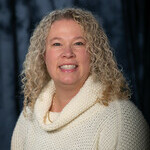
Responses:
[66,57]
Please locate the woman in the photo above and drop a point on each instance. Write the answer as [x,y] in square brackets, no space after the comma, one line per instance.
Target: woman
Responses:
[75,96]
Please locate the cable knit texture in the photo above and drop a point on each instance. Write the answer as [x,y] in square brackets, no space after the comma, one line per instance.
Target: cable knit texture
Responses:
[82,124]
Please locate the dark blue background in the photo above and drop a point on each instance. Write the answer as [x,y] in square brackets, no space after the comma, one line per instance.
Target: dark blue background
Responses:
[125,22]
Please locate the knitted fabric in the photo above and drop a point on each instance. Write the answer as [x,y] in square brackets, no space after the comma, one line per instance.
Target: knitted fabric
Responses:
[82,124]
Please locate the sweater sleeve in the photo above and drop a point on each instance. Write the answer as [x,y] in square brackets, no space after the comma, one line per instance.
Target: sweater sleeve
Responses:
[19,133]
[134,133]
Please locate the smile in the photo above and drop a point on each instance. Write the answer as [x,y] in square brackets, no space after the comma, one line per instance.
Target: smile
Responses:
[68,67]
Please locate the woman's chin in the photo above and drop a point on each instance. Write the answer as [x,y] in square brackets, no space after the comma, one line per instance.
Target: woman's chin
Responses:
[68,81]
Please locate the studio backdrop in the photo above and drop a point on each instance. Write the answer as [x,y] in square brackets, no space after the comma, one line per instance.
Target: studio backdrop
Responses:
[126,23]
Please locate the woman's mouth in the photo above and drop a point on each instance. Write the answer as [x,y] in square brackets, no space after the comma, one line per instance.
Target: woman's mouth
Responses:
[68,68]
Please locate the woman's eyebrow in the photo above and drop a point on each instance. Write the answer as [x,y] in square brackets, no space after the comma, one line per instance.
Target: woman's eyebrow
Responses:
[59,38]
[79,37]
[55,38]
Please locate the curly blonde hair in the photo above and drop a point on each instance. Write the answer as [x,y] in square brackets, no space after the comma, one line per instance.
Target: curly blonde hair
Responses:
[103,64]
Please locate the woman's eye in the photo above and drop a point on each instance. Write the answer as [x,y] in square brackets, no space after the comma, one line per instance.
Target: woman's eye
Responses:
[56,44]
[79,43]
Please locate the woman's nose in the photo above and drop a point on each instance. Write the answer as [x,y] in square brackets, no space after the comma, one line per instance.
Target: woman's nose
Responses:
[68,52]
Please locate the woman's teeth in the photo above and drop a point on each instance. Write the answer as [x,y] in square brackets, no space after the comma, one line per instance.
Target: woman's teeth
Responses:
[68,67]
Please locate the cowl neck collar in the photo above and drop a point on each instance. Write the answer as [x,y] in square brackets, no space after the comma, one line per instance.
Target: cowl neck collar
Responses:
[84,99]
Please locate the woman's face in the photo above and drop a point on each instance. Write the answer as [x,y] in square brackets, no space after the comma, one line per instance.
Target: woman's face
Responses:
[66,57]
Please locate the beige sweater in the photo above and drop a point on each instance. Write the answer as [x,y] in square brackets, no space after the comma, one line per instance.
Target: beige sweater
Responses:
[82,124]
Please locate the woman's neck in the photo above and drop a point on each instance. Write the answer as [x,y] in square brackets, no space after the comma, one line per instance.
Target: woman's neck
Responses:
[62,97]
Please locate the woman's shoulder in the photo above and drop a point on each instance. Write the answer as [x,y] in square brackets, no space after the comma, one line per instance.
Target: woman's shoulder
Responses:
[132,126]
[129,112]
[126,113]
[124,108]
[125,117]
[26,115]
[122,120]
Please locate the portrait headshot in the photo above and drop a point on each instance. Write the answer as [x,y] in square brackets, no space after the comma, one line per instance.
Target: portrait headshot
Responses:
[75,95]
[74,75]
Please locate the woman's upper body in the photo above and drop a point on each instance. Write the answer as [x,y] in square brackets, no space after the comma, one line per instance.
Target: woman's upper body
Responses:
[71,76]
[82,124]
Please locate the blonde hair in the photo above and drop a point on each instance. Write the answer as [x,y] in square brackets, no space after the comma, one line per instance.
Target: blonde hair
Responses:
[103,64]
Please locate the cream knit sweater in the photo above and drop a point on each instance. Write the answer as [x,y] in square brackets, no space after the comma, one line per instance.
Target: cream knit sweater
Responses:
[82,124]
